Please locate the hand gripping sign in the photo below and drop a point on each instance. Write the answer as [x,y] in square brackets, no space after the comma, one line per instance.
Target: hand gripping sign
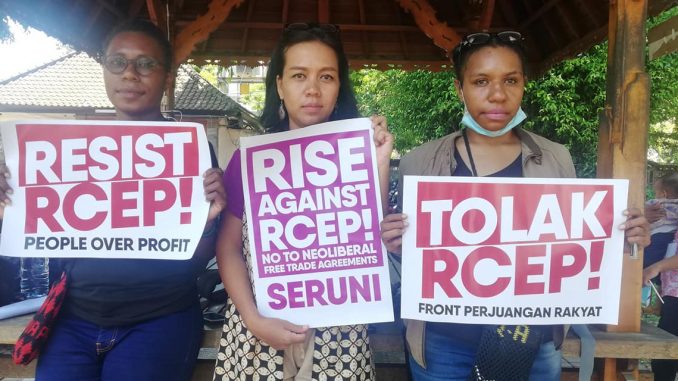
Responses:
[104,189]
[313,211]
[512,250]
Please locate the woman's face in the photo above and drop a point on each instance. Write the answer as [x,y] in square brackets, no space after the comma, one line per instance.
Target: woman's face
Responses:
[309,84]
[136,96]
[493,86]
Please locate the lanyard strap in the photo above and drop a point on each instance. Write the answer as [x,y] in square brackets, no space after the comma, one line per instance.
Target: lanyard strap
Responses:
[468,152]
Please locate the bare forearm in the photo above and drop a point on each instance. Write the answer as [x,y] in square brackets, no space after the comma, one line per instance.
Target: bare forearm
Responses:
[668,264]
[384,172]
[233,269]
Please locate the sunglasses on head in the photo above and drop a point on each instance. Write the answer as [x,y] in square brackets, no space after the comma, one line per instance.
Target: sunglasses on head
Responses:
[143,65]
[329,28]
[483,38]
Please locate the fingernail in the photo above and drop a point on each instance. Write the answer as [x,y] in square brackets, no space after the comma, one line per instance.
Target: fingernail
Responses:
[10,191]
[622,226]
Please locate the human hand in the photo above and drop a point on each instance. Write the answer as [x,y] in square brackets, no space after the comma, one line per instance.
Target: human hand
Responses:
[383,139]
[277,333]
[636,227]
[650,272]
[5,190]
[213,186]
[392,228]
[654,212]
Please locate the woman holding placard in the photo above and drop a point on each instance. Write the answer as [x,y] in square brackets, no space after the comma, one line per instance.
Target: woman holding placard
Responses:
[490,70]
[307,83]
[132,319]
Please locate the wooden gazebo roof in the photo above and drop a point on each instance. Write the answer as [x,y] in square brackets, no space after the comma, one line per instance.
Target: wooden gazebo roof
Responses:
[378,33]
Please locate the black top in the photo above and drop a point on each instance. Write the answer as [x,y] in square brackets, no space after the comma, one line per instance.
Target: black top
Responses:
[112,292]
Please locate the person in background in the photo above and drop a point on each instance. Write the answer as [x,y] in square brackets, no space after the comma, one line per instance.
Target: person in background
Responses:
[490,70]
[662,212]
[131,319]
[307,83]
[666,267]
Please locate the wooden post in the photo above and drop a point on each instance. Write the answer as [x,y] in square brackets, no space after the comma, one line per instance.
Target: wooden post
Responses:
[623,140]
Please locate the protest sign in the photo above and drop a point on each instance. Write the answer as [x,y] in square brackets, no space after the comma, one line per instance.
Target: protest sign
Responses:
[512,250]
[313,210]
[104,189]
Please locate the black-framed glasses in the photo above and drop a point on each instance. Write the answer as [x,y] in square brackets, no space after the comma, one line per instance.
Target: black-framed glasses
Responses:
[329,28]
[482,38]
[143,65]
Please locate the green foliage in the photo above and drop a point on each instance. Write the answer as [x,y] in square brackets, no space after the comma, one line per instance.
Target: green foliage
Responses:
[419,105]
[254,100]
[210,73]
[563,105]
[663,71]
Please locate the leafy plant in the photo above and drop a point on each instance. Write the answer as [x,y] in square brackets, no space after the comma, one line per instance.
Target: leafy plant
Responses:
[563,105]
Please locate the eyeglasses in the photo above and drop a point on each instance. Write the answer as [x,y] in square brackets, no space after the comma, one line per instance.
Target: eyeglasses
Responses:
[143,65]
[329,28]
[482,38]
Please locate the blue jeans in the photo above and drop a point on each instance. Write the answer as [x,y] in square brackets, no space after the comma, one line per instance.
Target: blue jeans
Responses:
[164,348]
[448,361]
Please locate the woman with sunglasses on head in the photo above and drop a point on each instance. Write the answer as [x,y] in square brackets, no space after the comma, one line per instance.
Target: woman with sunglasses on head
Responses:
[490,71]
[307,83]
[133,319]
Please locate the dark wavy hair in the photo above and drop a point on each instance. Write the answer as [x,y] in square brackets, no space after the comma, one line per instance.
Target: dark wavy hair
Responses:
[147,28]
[463,51]
[346,106]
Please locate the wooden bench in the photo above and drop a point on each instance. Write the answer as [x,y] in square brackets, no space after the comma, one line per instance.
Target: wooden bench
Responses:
[388,349]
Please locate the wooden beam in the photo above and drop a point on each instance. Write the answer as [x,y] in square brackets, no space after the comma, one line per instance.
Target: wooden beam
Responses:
[200,29]
[246,32]
[92,19]
[363,20]
[285,12]
[343,27]
[479,14]
[178,6]
[424,15]
[112,8]
[585,6]
[486,16]
[574,35]
[157,13]
[134,8]
[401,35]
[323,11]
[536,15]
[622,142]
[548,26]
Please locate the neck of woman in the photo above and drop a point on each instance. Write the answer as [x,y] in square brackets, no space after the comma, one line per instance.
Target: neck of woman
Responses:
[508,138]
[152,116]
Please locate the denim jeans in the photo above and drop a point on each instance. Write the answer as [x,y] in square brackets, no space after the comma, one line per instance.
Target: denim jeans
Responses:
[164,348]
[452,361]
[665,370]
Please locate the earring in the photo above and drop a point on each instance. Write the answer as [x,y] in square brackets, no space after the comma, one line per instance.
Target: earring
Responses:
[281,110]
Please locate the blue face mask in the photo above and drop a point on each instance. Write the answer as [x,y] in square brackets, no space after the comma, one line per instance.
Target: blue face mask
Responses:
[468,121]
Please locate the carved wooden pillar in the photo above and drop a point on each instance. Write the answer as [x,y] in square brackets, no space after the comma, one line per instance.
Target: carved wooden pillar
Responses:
[622,143]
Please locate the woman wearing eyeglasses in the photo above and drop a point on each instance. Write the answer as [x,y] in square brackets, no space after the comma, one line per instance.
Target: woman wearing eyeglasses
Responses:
[490,71]
[307,83]
[127,319]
